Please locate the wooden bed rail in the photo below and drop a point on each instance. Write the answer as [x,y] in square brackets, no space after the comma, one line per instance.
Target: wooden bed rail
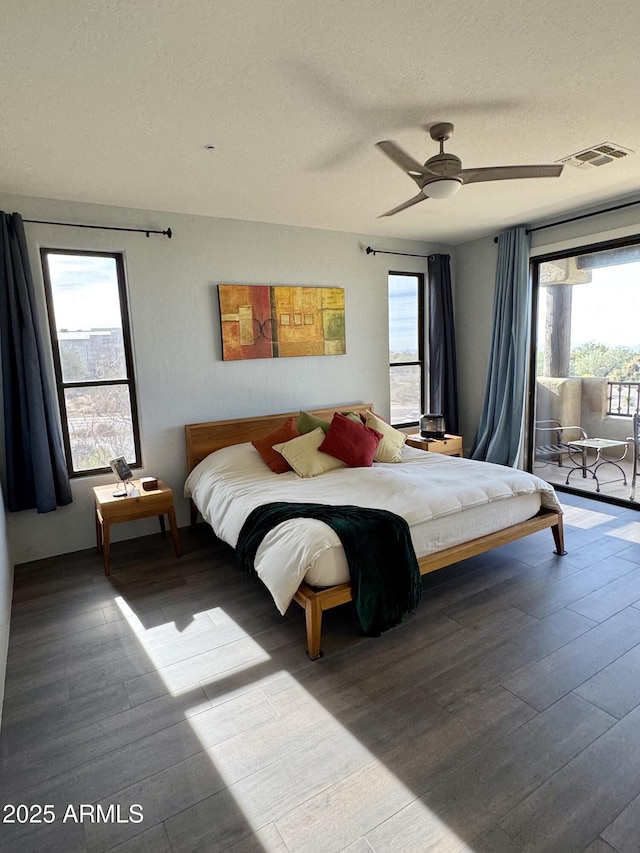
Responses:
[315,601]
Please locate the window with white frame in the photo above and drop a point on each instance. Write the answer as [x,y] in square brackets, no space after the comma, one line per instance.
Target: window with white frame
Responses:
[92,353]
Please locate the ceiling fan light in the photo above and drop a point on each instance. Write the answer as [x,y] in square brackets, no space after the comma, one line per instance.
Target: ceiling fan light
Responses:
[442,188]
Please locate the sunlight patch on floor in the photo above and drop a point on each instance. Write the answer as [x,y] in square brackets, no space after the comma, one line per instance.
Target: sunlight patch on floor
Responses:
[203,652]
[630,532]
[159,626]
[585,518]
[278,749]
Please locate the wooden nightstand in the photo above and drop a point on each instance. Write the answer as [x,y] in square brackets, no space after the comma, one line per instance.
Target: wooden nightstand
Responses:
[111,510]
[450,445]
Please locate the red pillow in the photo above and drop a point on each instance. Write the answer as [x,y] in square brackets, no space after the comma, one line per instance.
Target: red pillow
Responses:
[351,442]
[264,446]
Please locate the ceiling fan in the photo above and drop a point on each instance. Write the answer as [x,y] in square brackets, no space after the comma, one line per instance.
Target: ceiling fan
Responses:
[442,175]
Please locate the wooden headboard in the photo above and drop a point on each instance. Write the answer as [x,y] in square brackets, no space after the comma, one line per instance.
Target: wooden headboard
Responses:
[202,439]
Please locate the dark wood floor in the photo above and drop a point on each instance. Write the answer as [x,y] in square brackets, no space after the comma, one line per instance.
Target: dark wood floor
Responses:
[503,716]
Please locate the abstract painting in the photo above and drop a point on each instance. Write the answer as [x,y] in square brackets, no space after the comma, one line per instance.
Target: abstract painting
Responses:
[267,321]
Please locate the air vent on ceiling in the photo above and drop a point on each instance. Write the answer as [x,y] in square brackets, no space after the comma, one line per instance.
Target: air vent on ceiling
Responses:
[598,155]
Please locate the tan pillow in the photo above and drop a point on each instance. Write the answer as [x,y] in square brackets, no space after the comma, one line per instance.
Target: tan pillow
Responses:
[392,441]
[304,457]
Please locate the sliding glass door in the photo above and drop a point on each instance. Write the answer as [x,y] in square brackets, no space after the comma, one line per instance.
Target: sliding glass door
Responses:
[587,369]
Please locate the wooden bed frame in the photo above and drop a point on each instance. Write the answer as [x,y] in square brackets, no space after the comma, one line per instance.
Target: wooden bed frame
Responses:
[203,438]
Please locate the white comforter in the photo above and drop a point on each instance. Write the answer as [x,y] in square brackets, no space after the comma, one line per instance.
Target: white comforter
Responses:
[424,487]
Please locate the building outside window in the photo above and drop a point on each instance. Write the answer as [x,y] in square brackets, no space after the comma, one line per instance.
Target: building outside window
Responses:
[91,342]
[406,347]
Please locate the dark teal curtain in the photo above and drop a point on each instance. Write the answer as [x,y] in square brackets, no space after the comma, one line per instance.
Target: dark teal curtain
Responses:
[500,431]
[443,376]
[35,464]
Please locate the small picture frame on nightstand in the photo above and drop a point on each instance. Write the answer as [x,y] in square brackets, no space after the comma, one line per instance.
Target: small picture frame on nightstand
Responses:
[121,469]
[123,473]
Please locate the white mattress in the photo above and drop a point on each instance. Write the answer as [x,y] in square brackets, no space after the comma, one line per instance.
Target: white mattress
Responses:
[429,537]
[445,500]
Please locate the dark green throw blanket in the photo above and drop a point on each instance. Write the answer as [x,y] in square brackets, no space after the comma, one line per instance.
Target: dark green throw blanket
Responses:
[385,577]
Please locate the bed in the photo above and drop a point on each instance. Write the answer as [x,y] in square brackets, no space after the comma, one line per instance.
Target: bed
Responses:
[455,508]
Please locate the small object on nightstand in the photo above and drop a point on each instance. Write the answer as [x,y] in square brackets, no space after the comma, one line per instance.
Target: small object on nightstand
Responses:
[124,474]
[432,426]
[149,484]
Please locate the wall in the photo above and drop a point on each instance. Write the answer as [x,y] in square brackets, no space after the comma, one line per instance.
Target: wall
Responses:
[560,400]
[595,229]
[6,589]
[594,418]
[180,375]
[475,283]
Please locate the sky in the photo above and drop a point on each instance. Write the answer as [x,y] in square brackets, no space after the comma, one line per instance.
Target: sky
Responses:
[85,291]
[607,310]
[403,329]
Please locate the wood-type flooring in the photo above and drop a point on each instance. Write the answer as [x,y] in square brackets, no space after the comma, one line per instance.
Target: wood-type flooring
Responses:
[170,707]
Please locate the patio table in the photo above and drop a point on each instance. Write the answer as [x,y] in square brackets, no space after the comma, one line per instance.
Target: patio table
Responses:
[598,445]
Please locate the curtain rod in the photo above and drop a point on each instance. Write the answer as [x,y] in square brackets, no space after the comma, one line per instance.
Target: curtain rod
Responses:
[582,216]
[371,251]
[147,231]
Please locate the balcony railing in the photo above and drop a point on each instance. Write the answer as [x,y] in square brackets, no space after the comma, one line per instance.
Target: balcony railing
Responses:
[623,398]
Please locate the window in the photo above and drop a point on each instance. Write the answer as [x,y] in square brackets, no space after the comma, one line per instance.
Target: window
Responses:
[406,347]
[587,366]
[89,324]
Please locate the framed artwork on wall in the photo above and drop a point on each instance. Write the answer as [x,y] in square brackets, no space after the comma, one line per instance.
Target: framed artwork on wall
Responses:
[265,321]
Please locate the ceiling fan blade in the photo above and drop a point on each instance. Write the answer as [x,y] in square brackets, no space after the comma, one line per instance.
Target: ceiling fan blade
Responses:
[508,173]
[410,203]
[404,160]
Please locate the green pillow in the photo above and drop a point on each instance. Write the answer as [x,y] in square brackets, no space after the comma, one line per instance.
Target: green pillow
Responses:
[307,422]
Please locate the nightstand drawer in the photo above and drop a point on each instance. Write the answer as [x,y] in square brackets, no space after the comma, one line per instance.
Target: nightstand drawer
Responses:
[450,445]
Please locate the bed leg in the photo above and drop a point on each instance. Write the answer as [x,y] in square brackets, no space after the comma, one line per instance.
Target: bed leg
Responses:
[558,537]
[193,514]
[313,618]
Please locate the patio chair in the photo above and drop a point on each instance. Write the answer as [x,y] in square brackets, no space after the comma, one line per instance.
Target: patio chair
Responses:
[551,441]
[635,441]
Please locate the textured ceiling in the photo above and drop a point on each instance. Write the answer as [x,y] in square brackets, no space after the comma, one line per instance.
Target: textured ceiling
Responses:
[115,102]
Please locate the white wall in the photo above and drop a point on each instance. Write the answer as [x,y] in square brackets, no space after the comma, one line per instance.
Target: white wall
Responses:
[180,375]
[595,229]
[6,590]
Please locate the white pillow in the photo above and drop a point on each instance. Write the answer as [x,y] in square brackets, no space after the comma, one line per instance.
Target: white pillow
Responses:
[391,443]
[304,457]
